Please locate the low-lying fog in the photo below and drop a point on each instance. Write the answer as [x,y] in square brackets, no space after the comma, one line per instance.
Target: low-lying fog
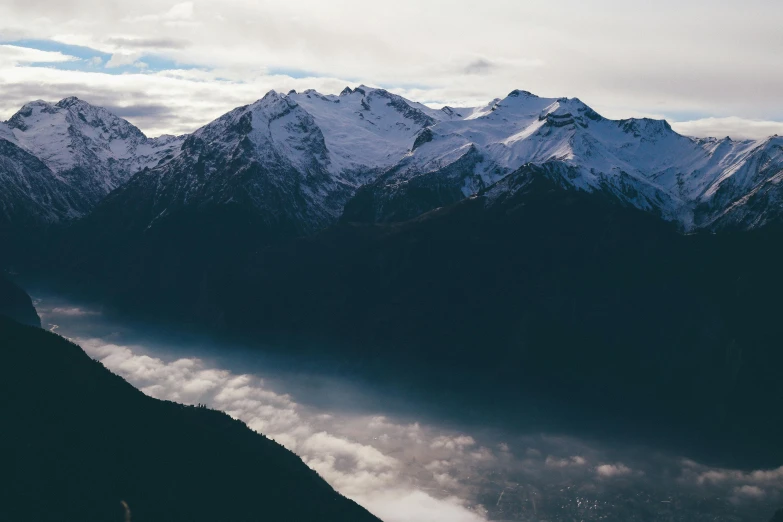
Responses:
[405,465]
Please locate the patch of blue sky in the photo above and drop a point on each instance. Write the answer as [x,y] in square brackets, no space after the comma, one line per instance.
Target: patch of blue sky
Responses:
[92,60]
[77,51]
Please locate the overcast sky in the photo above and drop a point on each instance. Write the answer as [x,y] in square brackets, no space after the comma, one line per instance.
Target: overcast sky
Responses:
[709,67]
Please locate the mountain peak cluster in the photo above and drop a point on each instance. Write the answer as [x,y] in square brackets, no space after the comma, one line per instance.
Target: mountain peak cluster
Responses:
[529,261]
[306,159]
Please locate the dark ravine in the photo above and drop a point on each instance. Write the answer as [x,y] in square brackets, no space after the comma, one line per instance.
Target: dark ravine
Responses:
[528,291]
[77,440]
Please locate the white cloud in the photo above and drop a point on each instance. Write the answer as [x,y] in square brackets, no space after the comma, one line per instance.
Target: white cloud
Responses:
[181,11]
[703,475]
[177,12]
[167,102]
[747,491]
[736,128]
[369,474]
[613,470]
[418,506]
[365,457]
[12,56]
[418,471]
[120,59]
[457,443]
[439,52]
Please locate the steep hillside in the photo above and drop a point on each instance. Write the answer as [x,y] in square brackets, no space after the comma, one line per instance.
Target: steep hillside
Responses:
[531,290]
[16,304]
[78,440]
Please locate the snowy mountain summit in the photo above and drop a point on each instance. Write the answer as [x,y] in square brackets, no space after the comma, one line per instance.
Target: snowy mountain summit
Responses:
[84,151]
[641,162]
[303,160]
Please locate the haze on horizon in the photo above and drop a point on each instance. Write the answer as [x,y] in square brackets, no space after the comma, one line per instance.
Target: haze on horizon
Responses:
[172,66]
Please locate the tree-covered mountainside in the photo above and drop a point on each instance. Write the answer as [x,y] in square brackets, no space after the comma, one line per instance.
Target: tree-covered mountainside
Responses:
[529,291]
[527,250]
[78,440]
[16,304]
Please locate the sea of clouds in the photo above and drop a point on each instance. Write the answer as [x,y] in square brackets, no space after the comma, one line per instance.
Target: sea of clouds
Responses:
[416,469]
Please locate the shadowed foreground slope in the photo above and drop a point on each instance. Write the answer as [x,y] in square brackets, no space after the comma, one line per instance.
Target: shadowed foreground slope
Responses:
[77,440]
[16,304]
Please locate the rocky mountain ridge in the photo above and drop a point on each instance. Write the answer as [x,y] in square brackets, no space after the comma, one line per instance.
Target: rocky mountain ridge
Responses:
[61,159]
[303,160]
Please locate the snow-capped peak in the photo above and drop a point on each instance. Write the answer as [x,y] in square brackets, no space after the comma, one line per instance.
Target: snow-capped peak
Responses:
[6,132]
[368,134]
[641,161]
[87,147]
[72,132]
[365,129]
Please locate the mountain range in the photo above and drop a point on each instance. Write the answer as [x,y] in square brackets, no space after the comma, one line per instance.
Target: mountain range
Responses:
[529,248]
[300,161]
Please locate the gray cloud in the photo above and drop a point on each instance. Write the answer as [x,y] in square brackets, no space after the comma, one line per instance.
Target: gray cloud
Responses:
[73,311]
[736,128]
[149,43]
[152,115]
[479,66]
[706,61]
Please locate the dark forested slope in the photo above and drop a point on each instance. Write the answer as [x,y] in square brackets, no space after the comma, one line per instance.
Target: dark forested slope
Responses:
[528,291]
[16,304]
[77,440]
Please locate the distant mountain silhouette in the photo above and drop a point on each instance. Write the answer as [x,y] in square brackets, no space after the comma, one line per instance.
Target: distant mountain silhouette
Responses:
[778,516]
[16,304]
[78,440]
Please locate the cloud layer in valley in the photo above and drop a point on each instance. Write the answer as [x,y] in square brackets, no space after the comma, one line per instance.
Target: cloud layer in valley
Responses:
[711,68]
[413,470]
